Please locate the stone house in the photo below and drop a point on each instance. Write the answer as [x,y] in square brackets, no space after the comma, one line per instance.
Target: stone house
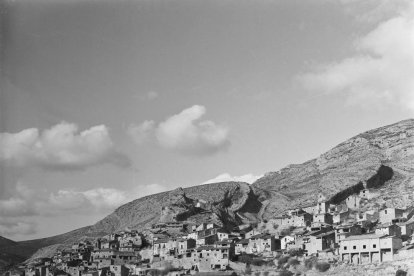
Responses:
[340,217]
[119,270]
[322,206]
[323,218]
[201,227]
[369,248]
[213,258]
[407,227]
[318,241]
[185,244]
[164,247]
[73,270]
[262,243]
[110,244]
[309,208]
[207,240]
[284,241]
[121,258]
[192,235]
[353,201]
[222,234]
[388,229]
[389,214]
[102,253]
[133,240]
[344,231]
[241,246]
[251,233]
[298,219]
[212,225]
[368,194]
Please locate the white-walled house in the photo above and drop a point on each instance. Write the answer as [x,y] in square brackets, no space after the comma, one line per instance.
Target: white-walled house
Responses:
[369,248]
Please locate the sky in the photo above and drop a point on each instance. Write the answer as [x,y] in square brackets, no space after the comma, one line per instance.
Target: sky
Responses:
[103,102]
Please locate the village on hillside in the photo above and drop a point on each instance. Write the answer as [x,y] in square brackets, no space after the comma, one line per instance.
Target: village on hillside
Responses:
[316,237]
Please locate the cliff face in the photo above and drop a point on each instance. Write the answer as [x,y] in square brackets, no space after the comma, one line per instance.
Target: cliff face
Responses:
[355,160]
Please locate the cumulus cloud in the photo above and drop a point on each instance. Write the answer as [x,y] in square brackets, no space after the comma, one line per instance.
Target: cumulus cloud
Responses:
[61,147]
[185,133]
[381,71]
[225,177]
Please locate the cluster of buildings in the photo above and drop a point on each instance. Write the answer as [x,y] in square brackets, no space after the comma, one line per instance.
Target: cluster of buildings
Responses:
[339,231]
[343,232]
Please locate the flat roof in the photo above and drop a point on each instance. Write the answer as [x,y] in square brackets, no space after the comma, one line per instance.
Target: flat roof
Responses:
[365,237]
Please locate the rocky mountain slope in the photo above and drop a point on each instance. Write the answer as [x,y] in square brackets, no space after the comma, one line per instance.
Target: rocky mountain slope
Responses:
[360,158]
[357,159]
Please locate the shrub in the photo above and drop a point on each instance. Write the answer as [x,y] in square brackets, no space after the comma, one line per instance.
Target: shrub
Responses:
[322,266]
[295,252]
[246,258]
[286,273]
[248,270]
[258,262]
[282,260]
[400,272]
[309,263]
[293,262]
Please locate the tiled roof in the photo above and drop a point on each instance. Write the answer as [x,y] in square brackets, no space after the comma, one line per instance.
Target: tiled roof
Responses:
[384,225]
[325,234]
[244,241]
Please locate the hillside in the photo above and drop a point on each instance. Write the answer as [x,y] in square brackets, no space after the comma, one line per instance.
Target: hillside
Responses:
[362,158]
[6,242]
[224,201]
[357,159]
[7,258]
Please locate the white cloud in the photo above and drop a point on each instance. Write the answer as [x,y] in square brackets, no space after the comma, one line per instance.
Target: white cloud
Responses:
[61,148]
[141,133]
[225,177]
[185,133]
[380,73]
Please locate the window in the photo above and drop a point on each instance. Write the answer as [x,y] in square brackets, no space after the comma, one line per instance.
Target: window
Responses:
[345,247]
[354,247]
[374,246]
[364,246]
[385,211]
